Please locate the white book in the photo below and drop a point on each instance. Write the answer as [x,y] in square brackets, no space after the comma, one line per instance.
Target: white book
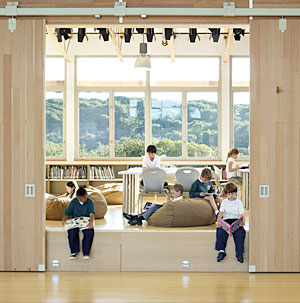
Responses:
[80,222]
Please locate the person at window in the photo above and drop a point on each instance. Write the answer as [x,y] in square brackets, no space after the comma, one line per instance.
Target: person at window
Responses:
[232,169]
[203,188]
[231,210]
[81,206]
[151,160]
[176,192]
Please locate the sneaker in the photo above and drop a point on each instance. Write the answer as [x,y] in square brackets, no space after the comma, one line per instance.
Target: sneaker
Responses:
[129,217]
[73,256]
[139,221]
[86,257]
[132,222]
[240,258]
[221,256]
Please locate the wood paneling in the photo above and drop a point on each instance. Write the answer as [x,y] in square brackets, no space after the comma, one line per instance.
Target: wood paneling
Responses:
[22,224]
[274,146]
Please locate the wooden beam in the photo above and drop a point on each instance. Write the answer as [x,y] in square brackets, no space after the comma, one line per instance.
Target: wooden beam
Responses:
[172,48]
[54,38]
[115,43]
[228,45]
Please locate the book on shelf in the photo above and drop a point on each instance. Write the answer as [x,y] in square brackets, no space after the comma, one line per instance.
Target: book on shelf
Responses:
[80,222]
[67,172]
[230,229]
[102,172]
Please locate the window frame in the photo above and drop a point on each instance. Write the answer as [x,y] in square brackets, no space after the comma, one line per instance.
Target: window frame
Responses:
[58,89]
[147,90]
[237,89]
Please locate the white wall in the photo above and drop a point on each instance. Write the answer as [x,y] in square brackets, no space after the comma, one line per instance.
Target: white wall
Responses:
[96,47]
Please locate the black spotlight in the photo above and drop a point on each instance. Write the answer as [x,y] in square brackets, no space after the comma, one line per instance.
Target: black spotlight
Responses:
[150,34]
[66,32]
[127,34]
[237,33]
[81,34]
[215,32]
[140,30]
[104,33]
[168,33]
[193,34]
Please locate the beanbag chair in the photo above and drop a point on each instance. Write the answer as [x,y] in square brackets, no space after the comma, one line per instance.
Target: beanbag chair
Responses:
[113,193]
[55,206]
[184,213]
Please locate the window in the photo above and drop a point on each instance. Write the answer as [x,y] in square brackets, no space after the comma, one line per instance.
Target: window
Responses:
[129,124]
[93,126]
[55,81]
[241,106]
[54,124]
[166,112]
[202,128]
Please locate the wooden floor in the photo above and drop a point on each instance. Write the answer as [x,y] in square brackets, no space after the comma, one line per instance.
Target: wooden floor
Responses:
[148,287]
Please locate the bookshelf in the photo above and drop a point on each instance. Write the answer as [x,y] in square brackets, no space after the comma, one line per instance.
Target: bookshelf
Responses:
[57,175]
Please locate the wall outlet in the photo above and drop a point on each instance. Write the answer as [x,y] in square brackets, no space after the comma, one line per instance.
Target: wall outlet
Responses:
[252,268]
[29,190]
[264,191]
[42,267]
[185,264]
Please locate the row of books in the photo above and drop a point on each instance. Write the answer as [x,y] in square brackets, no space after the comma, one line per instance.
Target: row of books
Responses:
[101,172]
[67,172]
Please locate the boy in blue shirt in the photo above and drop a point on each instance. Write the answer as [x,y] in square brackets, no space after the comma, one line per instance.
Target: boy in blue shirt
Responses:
[203,188]
[81,206]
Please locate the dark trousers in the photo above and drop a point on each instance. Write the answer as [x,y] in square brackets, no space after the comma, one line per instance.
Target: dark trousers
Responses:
[87,241]
[238,236]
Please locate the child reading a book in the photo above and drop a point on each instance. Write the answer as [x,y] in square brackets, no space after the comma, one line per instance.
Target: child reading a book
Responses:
[81,206]
[71,187]
[203,188]
[176,192]
[231,210]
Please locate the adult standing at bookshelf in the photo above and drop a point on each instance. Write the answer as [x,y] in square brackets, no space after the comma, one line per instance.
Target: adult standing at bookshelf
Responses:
[81,206]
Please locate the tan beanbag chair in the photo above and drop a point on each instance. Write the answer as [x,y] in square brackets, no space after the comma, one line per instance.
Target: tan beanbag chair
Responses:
[55,206]
[184,213]
[113,193]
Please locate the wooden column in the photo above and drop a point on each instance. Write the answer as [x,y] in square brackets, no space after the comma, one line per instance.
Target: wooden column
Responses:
[22,131]
[275,145]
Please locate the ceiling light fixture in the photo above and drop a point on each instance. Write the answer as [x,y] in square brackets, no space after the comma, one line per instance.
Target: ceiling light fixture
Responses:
[127,34]
[104,33]
[81,34]
[143,62]
[192,34]
[150,34]
[168,33]
[215,33]
[237,33]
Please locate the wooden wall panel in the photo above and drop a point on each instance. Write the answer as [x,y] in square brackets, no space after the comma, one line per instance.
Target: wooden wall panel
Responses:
[22,224]
[274,145]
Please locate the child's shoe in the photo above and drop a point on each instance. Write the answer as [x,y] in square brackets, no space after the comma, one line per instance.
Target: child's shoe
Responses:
[139,221]
[86,257]
[221,256]
[240,258]
[73,256]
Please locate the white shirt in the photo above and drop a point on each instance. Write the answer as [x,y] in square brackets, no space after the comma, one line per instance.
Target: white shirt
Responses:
[178,198]
[232,209]
[151,164]
[234,165]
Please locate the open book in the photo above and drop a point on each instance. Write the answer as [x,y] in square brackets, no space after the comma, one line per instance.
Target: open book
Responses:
[80,222]
[230,229]
[211,194]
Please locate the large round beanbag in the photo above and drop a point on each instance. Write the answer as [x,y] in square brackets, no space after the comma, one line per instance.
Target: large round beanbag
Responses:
[113,193]
[184,213]
[55,206]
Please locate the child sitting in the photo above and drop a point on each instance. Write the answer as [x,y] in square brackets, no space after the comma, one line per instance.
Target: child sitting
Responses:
[231,210]
[203,188]
[176,192]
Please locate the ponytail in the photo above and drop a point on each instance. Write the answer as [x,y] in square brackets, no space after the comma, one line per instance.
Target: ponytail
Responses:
[233,151]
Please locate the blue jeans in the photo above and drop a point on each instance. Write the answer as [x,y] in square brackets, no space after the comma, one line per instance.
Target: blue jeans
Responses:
[147,213]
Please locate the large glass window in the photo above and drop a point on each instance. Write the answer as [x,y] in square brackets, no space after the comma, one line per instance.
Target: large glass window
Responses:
[166,112]
[185,72]
[93,124]
[241,106]
[129,124]
[240,72]
[202,128]
[54,71]
[108,72]
[54,124]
